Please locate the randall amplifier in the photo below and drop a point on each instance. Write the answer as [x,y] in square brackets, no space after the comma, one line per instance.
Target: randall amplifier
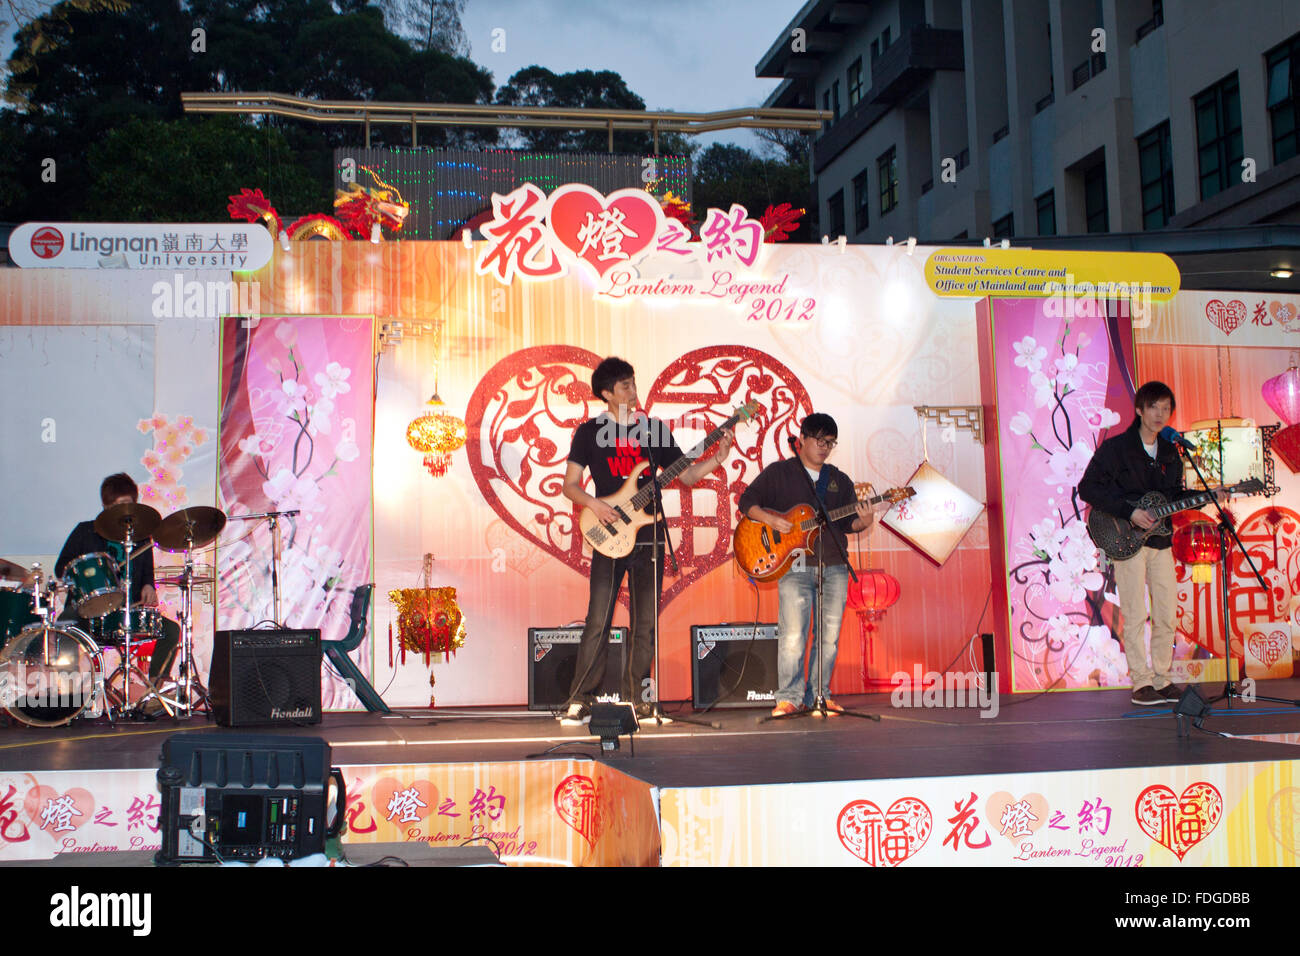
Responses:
[553,658]
[244,797]
[728,669]
[260,678]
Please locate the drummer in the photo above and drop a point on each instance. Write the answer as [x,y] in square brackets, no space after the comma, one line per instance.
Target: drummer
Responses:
[115,490]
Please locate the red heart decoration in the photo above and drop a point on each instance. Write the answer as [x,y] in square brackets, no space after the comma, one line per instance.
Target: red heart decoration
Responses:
[58,812]
[1179,822]
[577,802]
[1226,317]
[884,839]
[603,231]
[1268,648]
[397,802]
[524,411]
[1014,818]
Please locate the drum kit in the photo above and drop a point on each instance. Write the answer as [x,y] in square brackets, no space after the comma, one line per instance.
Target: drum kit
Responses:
[51,672]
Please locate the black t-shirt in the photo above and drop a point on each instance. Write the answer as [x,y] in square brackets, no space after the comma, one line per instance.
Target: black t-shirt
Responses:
[611,451]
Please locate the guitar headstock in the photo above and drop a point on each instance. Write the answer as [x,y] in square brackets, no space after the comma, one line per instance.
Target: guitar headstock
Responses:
[895,495]
[747,411]
[863,490]
[1251,486]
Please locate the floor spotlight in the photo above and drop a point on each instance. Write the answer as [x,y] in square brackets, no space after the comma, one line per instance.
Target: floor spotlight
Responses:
[611,721]
[1191,704]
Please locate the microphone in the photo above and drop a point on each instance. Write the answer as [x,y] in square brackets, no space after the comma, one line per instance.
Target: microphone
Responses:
[1168,434]
[792,442]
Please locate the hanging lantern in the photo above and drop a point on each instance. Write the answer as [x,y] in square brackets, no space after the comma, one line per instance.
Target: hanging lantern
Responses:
[1282,393]
[874,592]
[1196,544]
[437,434]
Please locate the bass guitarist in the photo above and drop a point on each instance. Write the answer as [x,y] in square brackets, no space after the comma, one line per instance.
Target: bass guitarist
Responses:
[779,488]
[1126,467]
[610,446]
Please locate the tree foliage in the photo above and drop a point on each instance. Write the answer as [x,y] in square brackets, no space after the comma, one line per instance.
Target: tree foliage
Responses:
[725,173]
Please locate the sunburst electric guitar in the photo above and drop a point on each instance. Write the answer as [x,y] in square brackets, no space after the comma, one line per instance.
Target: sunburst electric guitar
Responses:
[617,538]
[765,554]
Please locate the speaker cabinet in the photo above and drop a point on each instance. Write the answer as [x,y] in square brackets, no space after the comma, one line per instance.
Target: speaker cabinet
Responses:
[553,658]
[732,665]
[265,678]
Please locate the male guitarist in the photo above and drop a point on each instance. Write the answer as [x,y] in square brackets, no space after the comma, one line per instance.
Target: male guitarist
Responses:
[610,446]
[1125,467]
[779,488]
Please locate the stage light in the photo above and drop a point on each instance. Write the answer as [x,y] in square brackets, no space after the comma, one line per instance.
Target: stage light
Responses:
[1281,273]
[1191,704]
[611,721]
[284,240]
[467,238]
[911,244]
[375,234]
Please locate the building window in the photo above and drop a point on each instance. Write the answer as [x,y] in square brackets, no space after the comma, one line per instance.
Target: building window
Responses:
[1156,165]
[855,82]
[884,40]
[1045,206]
[861,201]
[835,215]
[835,100]
[1218,136]
[1284,99]
[887,170]
[875,51]
[1094,199]
[1005,227]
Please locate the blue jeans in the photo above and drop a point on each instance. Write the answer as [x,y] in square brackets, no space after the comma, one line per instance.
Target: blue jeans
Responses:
[798,593]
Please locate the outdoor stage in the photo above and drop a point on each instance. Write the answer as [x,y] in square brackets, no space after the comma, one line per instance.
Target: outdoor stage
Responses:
[1064,779]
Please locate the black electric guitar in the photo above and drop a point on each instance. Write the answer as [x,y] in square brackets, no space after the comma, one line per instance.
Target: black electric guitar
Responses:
[1121,539]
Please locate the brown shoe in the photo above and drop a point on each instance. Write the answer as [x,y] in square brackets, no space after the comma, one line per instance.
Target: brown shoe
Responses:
[1148,697]
[784,709]
[833,708]
[1171,692]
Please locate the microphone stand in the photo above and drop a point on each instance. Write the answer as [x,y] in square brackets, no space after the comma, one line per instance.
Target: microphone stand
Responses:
[660,520]
[273,517]
[1228,533]
[823,534]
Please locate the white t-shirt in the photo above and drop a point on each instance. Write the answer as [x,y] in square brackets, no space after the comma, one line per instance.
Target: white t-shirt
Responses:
[1151,448]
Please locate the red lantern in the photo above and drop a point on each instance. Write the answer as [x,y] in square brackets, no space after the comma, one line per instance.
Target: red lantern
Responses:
[1196,544]
[874,592]
[1286,445]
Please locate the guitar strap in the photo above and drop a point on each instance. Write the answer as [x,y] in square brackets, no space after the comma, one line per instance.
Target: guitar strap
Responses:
[823,482]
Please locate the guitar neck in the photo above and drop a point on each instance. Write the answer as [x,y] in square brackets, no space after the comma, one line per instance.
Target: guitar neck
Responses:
[1194,500]
[667,475]
[844,512]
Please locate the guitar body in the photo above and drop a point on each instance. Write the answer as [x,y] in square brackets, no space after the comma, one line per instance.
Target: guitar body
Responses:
[616,540]
[763,553]
[1121,539]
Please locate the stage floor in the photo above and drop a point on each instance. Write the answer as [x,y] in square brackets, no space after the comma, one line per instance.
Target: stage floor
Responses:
[1050,732]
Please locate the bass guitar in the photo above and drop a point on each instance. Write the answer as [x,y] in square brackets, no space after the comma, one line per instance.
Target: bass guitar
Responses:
[765,554]
[1119,538]
[617,538]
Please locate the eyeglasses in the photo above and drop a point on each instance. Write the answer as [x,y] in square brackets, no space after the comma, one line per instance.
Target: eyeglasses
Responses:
[827,444]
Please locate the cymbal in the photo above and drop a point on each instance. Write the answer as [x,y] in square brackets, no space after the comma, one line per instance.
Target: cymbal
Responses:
[11,571]
[190,528]
[176,581]
[113,522]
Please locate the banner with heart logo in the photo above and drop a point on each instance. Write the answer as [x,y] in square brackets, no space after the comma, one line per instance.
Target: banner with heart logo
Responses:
[1179,822]
[884,838]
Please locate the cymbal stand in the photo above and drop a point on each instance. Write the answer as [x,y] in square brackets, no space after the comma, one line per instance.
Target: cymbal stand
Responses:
[273,518]
[188,680]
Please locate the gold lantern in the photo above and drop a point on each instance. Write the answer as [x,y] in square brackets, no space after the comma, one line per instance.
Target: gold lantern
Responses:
[437,434]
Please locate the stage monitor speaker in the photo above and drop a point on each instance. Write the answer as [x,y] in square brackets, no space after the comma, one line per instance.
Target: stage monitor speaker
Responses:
[733,665]
[553,658]
[244,797]
[265,678]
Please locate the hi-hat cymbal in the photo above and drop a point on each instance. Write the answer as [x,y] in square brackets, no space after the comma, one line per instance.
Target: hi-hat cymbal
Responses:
[190,528]
[114,522]
[11,571]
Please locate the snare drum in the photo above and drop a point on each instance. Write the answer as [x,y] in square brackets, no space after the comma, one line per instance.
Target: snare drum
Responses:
[94,588]
[50,675]
[17,610]
[146,625]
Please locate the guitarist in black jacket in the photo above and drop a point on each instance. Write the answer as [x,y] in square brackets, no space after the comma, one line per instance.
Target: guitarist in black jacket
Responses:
[1125,468]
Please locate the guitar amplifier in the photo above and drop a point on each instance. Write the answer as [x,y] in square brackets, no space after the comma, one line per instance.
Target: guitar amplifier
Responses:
[553,659]
[733,665]
[260,678]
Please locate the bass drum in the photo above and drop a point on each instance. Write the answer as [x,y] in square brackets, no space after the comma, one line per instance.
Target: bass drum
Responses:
[50,675]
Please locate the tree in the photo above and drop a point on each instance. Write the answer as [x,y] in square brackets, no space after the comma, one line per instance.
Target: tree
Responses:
[583,89]
[725,173]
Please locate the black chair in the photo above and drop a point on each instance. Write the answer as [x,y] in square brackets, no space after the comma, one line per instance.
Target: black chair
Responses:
[337,651]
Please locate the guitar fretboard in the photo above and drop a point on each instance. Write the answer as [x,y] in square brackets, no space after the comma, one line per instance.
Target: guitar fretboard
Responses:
[667,475]
[809,523]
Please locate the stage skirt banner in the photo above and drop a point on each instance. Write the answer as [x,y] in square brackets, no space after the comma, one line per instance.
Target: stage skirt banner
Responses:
[562,812]
[296,423]
[1244,814]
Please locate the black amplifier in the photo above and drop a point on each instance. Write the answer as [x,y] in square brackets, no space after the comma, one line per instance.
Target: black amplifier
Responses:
[553,658]
[733,665]
[266,677]
[243,797]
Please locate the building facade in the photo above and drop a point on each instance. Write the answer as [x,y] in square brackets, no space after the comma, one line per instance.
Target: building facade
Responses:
[964,119]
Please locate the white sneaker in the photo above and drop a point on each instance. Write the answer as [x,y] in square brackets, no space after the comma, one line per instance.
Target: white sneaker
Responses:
[576,716]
